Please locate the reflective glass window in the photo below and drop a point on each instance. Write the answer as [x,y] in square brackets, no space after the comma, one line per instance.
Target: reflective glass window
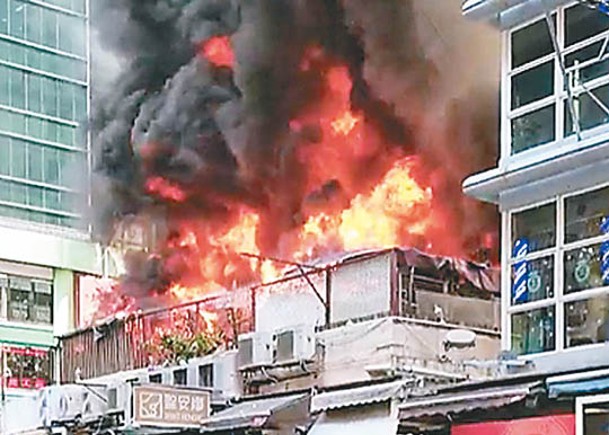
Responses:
[533,84]
[587,215]
[530,43]
[532,280]
[582,22]
[587,321]
[534,331]
[533,129]
[533,230]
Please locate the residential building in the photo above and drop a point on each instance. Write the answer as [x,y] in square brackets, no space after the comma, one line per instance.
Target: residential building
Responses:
[552,189]
[45,247]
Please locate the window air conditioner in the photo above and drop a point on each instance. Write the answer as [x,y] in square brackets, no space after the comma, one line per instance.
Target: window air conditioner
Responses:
[218,373]
[255,349]
[294,344]
[61,403]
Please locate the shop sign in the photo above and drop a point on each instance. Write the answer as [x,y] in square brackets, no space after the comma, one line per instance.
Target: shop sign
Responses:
[169,406]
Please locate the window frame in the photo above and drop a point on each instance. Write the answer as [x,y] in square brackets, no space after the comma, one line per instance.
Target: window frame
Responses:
[559,298]
[557,98]
[580,404]
[5,300]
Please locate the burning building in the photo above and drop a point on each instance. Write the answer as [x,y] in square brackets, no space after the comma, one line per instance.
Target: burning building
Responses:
[280,130]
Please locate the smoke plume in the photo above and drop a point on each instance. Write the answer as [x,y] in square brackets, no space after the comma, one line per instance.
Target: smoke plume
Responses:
[198,133]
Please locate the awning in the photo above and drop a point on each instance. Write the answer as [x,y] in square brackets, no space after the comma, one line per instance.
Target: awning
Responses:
[458,402]
[261,413]
[574,388]
[359,422]
[358,396]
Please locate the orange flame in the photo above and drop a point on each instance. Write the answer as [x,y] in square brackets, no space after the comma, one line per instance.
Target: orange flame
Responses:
[373,202]
[219,51]
[165,189]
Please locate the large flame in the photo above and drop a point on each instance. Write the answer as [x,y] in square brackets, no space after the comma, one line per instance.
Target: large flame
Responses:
[360,193]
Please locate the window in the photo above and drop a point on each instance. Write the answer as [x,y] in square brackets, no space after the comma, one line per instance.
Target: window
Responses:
[29,300]
[534,229]
[592,413]
[533,331]
[539,112]
[27,368]
[579,287]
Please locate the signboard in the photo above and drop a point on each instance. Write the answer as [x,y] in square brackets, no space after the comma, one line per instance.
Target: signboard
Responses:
[169,406]
[550,425]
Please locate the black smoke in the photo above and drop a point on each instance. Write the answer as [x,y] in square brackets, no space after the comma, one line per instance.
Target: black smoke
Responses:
[222,134]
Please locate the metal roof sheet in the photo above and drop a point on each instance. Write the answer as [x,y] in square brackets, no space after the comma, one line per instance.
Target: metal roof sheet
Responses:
[252,413]
[467,401]
[358,396]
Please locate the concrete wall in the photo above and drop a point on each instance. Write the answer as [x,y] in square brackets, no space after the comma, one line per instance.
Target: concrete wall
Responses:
[60,250]
[353,351]
[394,343]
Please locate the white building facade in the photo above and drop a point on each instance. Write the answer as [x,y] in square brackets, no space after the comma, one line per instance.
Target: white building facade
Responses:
[551,183]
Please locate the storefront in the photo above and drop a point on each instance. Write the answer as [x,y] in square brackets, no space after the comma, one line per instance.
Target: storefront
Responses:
[26,368]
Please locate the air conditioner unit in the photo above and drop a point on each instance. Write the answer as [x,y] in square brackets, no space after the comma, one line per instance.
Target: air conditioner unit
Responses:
[160,376]
[226,378]
[255,349]
[197,372]
[95,404]
[61,403]
[179,376]
[118,396]
[294,344]
[217,372]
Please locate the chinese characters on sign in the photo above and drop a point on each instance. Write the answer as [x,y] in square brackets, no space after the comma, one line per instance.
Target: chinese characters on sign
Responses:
[169,406]
[26,368]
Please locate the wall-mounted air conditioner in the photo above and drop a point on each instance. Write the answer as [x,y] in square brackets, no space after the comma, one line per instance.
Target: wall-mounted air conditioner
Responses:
[218,372]
[294,344]
[119,398]
[163,376]
[95,403]
[61,403]
[179,376]
[255,349]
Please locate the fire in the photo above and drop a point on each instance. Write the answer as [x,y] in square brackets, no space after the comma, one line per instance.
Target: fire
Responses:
[165,189]
[345,124]
[357,192]
[219,51]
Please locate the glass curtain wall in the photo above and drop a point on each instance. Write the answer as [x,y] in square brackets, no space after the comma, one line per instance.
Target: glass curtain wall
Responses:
[43,102]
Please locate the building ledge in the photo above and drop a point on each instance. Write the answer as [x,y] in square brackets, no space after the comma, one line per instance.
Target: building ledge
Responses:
[545,172]
[507,13]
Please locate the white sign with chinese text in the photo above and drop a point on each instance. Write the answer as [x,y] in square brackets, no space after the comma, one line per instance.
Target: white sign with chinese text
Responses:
[169,406]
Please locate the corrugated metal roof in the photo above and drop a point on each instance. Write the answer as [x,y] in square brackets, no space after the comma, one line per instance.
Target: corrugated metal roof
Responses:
[358,396]
[467,401]
[363,422]
[253,413]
